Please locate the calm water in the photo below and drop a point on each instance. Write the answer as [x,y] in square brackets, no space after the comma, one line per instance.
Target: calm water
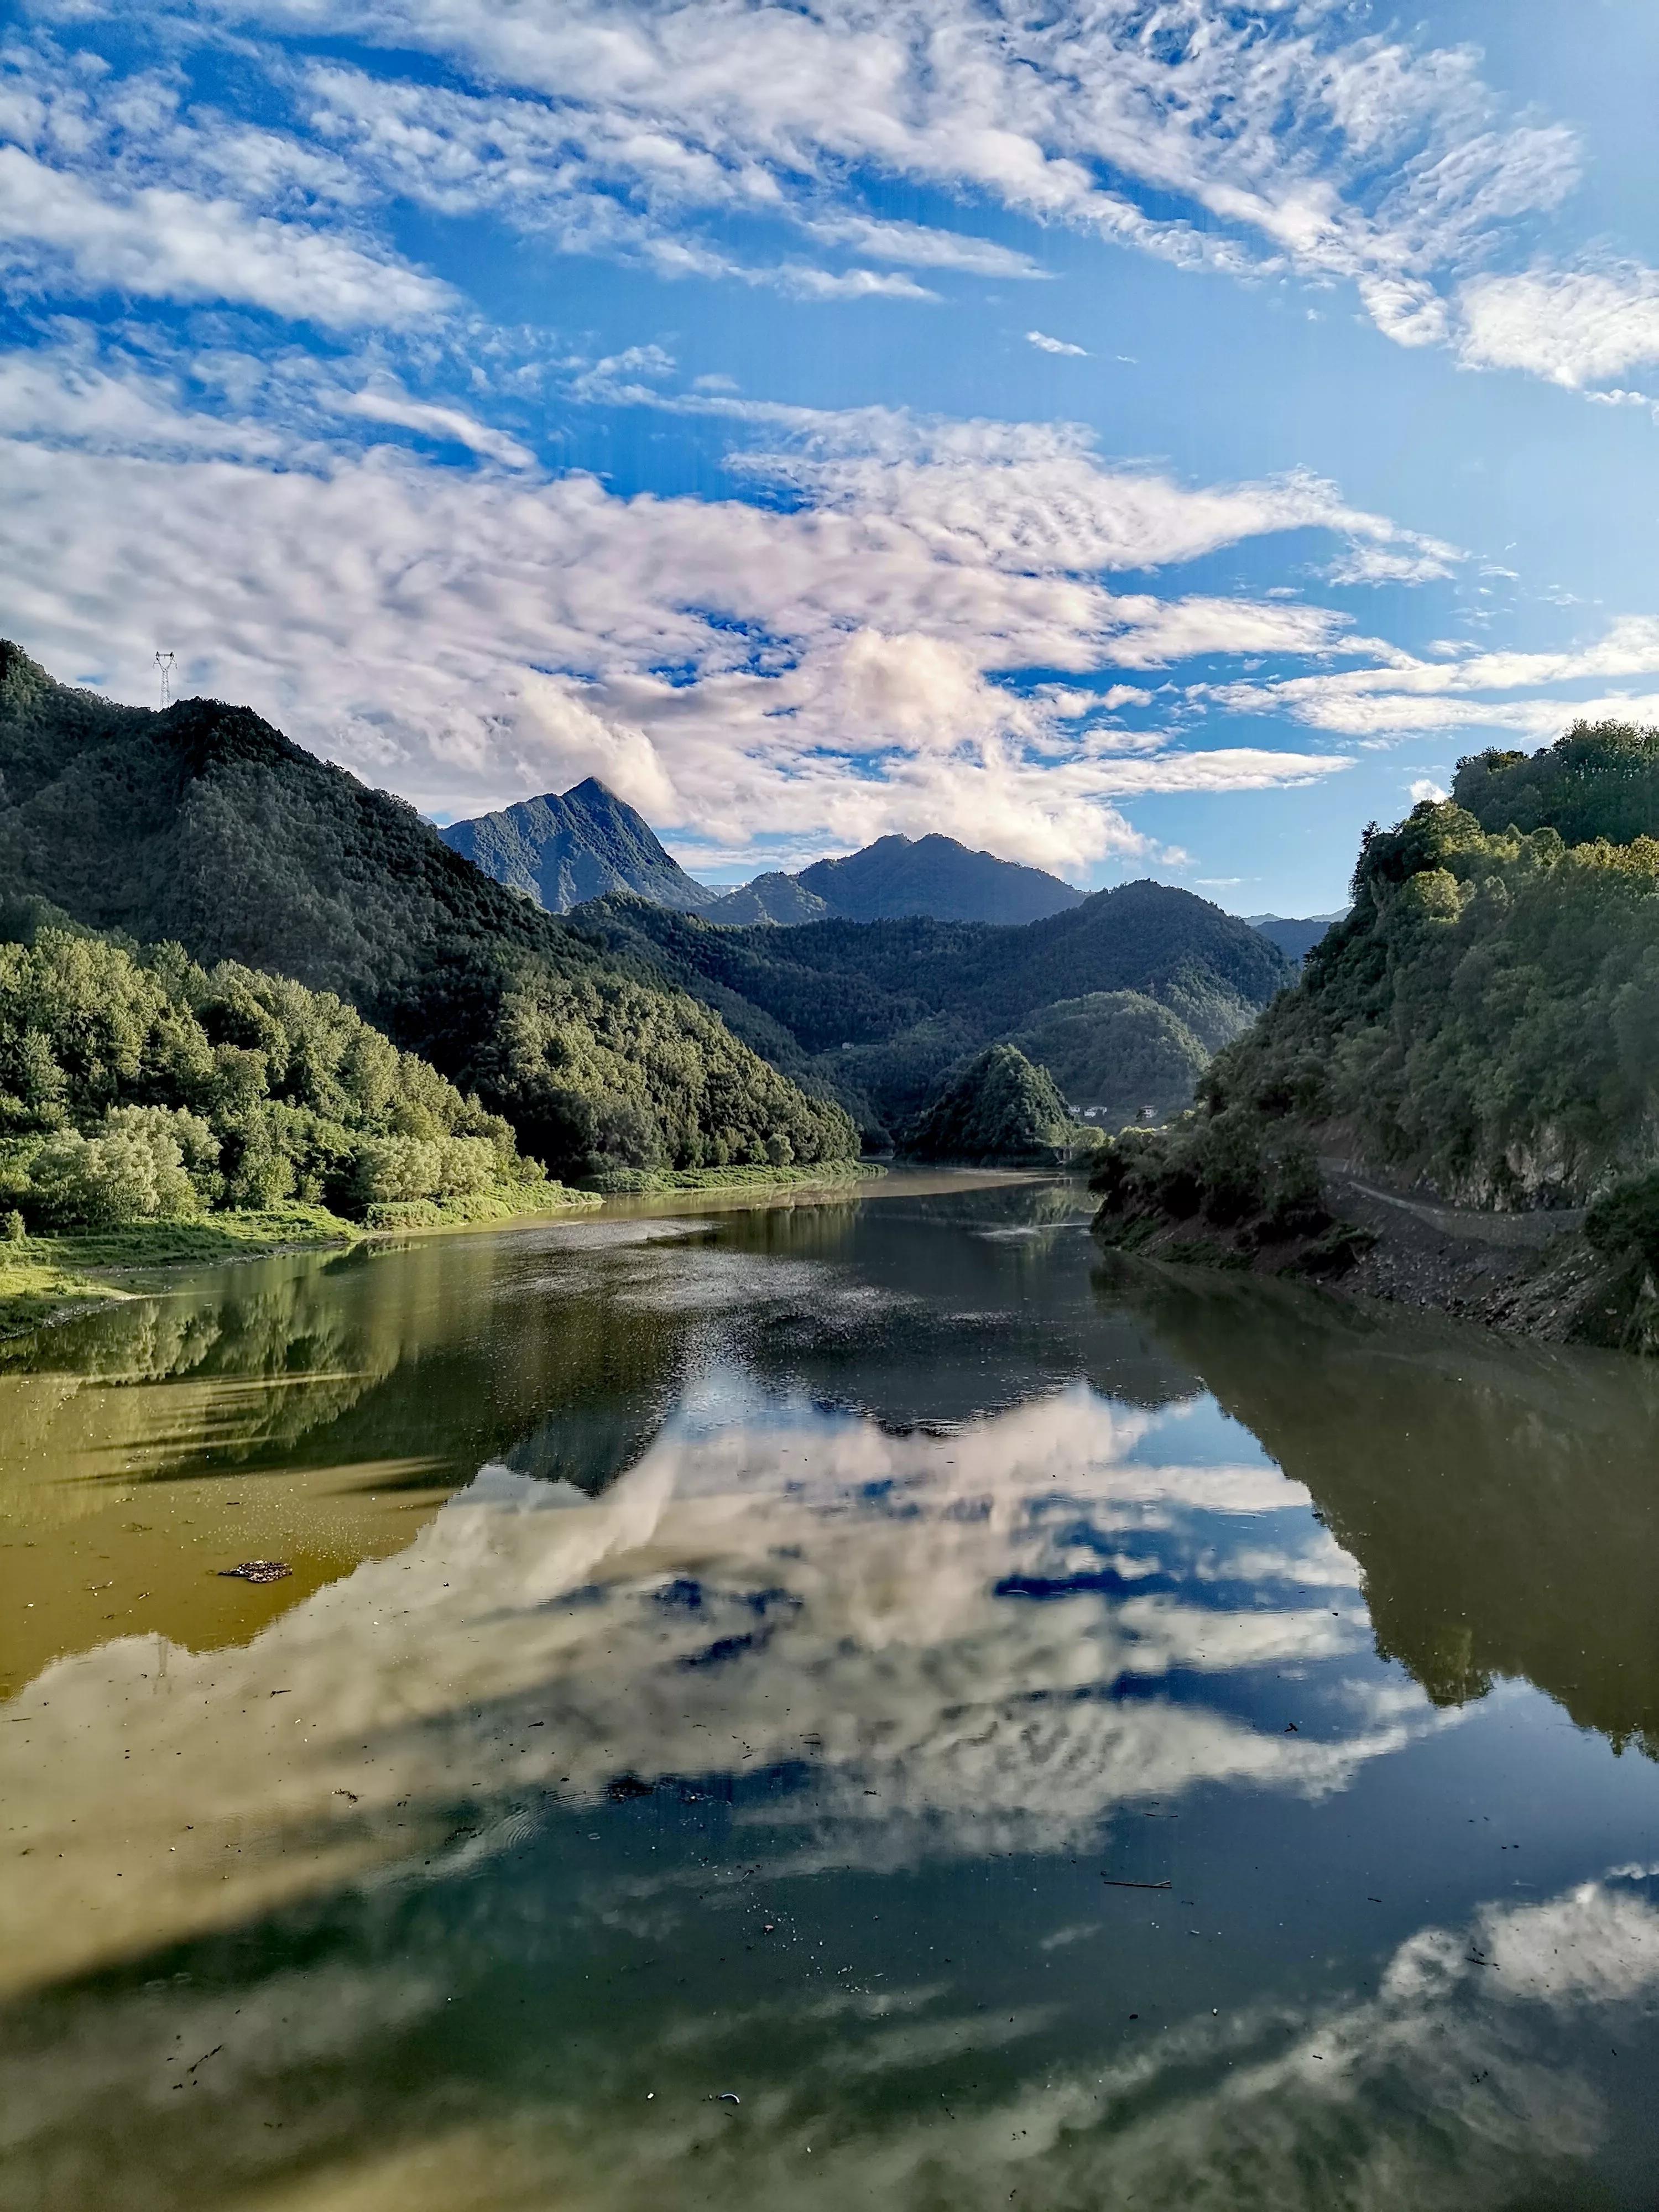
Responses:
[848,1704]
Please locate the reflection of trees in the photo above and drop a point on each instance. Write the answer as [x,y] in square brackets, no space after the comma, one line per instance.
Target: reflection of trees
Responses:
[561,1356]
[435,1355]
[1500,1499]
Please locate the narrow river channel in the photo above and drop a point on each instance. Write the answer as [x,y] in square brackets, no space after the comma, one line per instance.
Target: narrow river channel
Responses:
[850,1701]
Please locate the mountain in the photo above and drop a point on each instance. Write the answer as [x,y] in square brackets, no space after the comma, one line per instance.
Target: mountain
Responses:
[897,876]
[878,1012]
[998,1110]
[567,846]
[1481,1030]
[784,900]
[1115,1053]
[1296,937]
[203,825]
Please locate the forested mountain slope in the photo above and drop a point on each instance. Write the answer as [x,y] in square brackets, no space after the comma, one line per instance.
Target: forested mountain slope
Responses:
[1119,1052]
[1483,1025]
[205,826]
[881,1010]
[999,1110]
[567,846]
[1296,935]
[136,1089]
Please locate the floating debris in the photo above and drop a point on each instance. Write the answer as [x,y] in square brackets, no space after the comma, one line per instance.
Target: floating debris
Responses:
[257,1570]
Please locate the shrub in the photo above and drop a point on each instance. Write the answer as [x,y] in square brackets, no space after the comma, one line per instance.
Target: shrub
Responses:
[132,1171]
[1626,1219]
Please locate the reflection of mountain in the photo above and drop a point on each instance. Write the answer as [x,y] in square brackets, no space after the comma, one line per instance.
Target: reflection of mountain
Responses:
[1501,1502]
[852,1598]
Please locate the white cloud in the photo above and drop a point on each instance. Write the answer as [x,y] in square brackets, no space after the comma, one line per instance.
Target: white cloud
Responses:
[1573,326]
[57,231]
[616,121]
[1422,563]
[818,673]
[810,284]
[622,127]
[1044,343]
[1425,788]
[924,247]
[1402,694]
[66,395]
[451,425]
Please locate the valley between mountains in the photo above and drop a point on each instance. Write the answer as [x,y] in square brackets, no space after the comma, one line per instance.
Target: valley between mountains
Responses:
[243,995]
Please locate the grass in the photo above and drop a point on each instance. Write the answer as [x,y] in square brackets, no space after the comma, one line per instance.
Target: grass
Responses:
[34,1291]
[45,1278]
[205,1237]
[504,1203]
[643,1181]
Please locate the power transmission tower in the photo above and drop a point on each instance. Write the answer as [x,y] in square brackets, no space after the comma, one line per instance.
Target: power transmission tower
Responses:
[164,669]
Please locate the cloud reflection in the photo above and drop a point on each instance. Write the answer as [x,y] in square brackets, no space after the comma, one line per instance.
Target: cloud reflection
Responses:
[769,1588]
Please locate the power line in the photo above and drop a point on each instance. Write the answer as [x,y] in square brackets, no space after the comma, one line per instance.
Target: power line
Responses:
[164,662]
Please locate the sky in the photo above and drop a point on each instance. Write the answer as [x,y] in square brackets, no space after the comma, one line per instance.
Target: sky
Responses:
[1136,437]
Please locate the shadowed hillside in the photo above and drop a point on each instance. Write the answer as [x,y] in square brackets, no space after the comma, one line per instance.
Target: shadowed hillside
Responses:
[203,825]
[880,1010]
[897,876]
[1478,1029]
[567,847]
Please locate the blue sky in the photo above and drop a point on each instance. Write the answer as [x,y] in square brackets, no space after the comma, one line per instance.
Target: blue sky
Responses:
[1138,438]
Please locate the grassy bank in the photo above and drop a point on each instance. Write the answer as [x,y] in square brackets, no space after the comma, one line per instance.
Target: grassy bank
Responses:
[504,1203]
[639,1182]
[44,1277]
[47,1279]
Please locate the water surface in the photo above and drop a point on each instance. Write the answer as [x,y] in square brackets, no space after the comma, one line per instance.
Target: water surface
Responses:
[855,1701]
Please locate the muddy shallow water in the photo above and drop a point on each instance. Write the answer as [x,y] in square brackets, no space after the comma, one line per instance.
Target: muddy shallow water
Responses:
[853,1701]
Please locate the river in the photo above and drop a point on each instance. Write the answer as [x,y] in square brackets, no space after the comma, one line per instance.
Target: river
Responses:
[859,1700]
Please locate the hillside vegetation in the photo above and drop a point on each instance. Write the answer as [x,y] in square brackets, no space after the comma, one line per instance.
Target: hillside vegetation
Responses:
[150,1089]
[1602,779]
[998,1110]
[1118,1051]
[1484,1023]
[879,1012]
[204,827]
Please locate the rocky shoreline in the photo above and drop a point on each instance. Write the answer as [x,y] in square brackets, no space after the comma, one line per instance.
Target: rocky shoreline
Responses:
[1531,1274]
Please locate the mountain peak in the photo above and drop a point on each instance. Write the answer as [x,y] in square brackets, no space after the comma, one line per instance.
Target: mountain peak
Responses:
[567,847]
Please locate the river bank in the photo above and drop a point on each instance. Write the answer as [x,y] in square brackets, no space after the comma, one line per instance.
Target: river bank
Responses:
[1526,1273]
[47,1280]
